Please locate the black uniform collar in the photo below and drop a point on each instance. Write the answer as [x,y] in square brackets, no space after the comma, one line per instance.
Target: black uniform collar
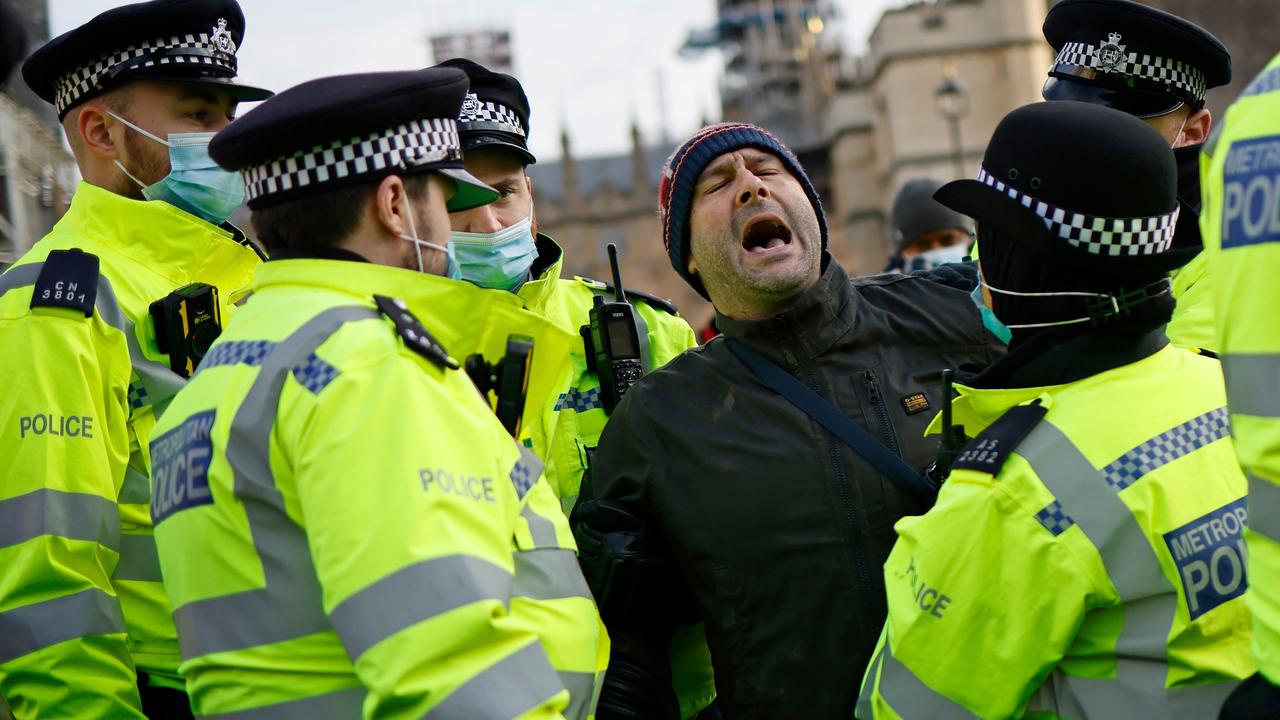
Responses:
[549,253]
[318,253]
[1048,359]
[1187,232]
[813,323]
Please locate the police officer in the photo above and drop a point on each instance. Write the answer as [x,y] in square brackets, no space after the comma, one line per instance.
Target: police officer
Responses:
[344,525]
[1242,237]
[1157,67]
[926,234]
[86,368]
[499,246]
[1085,557]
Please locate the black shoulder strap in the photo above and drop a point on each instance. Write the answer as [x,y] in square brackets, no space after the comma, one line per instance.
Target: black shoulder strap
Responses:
[68,279]
[835,421]
[414,334]
[632,295]
[991,448]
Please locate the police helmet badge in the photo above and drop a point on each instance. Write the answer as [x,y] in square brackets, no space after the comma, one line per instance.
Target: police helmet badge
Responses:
[1111,53]
[470,107]
[222,38]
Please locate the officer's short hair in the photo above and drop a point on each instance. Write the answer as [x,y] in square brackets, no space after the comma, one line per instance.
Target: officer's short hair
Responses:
[324,220]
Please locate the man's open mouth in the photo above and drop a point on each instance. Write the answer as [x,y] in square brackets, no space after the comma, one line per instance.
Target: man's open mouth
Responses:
[764,233]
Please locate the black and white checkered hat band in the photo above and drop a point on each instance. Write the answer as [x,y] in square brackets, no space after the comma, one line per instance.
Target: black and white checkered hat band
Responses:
[203,50]
[1113,237]
[1160,70]
[417,143]
[490,116]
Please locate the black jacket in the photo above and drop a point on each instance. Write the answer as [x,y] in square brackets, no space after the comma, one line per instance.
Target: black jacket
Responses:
[778,529]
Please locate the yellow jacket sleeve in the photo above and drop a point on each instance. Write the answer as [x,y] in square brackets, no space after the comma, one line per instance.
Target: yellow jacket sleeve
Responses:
[971,628]
[64,440]
[413,545]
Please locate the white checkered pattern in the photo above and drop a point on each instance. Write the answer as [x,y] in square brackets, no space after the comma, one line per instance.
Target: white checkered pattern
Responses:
[202,50]
[490,116]
[415,143]
[1148,67]
[1114,237]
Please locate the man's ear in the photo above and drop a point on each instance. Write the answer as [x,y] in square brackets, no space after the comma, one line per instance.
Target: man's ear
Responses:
[92,125]
[1196,131]
[691,265]
[391,206]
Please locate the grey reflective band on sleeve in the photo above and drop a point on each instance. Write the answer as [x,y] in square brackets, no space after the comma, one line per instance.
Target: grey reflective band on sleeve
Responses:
[289,606]
[27,629]
[340,705]
[74,516]
[415,594]
[542,529]
[1253,384]
[910,697]
[19,276]
[138,559]
[1264,507]
[581,687]
[136,489]
[508,688]
[549,574]
[864,709]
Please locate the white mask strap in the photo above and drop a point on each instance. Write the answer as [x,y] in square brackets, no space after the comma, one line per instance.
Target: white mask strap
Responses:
[140,130]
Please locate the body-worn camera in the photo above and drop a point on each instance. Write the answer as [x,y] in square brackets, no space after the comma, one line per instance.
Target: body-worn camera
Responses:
[508,380]
[187,321]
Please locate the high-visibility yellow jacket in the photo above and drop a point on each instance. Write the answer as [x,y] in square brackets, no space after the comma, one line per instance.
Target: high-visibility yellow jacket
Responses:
[1085,558]
[1192,323]
[346,529]
[81,602]
[1240,224]
[581,419]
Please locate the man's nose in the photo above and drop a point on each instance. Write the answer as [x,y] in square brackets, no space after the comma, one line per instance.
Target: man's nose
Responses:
[482,220]
[751,190]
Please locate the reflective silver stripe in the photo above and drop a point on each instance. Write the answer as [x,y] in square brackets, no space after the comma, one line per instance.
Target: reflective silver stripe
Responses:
[542,529]
[549,574]
[19,276]
[1253,384]
[864,708]
[160,382]
[136,489]
[1101,697]
[910,697]
[581,687]
[26,629]
[414,594]
[340,705]
[1264,507]
[138,559]
[289,606]
[508,688]
[1150,601]
[76,516]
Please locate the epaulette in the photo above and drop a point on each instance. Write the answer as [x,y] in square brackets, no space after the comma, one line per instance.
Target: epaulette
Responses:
[415,335]
[633,295]
[68,279]
[991,448]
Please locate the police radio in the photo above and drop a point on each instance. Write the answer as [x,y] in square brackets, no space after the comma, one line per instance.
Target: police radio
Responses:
[613,342]
[953,438]
[507,379]
[187,321]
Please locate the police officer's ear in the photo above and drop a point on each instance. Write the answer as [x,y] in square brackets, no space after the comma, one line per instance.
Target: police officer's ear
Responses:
[88,129]
[1196,130]
[392,205]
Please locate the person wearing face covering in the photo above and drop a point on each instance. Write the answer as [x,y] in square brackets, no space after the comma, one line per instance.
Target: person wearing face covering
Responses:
[86,368]
[1085,556]
[1155,66]
[926,234]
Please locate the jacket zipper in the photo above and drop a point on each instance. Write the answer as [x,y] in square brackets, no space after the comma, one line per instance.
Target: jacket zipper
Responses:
[882,413]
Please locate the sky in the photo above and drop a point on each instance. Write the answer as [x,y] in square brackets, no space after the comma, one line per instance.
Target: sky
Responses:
[592,66]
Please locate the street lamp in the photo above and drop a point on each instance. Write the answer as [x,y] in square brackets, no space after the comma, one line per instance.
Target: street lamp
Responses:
[953,104]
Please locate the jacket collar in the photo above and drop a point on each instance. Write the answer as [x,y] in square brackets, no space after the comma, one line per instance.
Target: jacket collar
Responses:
[1048,359]
[545,271]
[175,244]
[813,323]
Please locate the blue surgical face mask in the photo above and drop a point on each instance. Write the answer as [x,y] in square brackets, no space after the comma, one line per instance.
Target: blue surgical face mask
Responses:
[989,319]
[931,259]
[451,269]
[498,260]
[195,183]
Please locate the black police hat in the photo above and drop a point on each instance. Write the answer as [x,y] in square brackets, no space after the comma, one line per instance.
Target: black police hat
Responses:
[1087,184]
[350,129]
[178,40]
[1131,57]
[495,111]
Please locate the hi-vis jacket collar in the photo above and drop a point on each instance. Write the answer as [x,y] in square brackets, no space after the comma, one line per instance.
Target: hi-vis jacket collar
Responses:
[976,409]
[176,245]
